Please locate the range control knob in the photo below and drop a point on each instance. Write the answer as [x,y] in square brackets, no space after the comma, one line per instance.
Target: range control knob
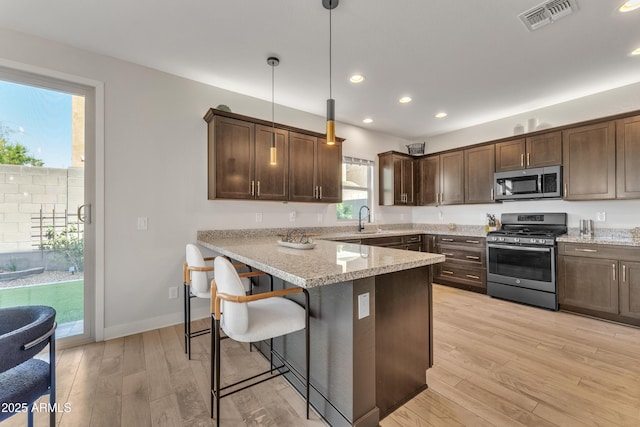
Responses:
[532,240]
[516,239]
[501,239]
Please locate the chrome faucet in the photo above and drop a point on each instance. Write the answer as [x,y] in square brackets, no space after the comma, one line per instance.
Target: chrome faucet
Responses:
[360,226]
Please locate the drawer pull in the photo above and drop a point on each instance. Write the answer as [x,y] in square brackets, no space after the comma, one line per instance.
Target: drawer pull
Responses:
[471,276]
[624,273]
[473,241]
[447,254]
[447,272]
[586,250]
[473,257]
[446,240]
[614,271]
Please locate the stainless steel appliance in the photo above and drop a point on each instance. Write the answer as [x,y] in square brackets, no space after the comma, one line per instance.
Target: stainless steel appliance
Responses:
[521,258]
[535,183]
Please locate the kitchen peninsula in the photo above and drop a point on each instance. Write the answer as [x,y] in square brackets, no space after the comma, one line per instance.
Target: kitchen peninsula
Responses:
[371,319]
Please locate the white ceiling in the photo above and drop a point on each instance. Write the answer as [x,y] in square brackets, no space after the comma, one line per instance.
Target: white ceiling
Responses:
[473,59]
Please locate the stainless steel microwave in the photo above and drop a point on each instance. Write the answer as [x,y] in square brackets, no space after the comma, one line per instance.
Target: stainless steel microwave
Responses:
[534,183]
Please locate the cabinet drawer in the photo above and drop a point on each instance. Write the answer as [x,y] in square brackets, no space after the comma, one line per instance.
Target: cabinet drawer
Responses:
[383,241]
[479,241]
[599,251]
[451,272]
[417,238]
[462,253]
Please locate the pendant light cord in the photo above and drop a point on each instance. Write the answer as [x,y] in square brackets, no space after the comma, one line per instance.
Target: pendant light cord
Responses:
[330,55]
[273,108]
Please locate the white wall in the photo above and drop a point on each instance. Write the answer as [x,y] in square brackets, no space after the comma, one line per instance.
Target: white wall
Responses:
[619,213]
[156,166]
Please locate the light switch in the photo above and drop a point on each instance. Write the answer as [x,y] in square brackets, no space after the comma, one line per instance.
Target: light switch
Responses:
[142,223]
[363,306]
[259,217]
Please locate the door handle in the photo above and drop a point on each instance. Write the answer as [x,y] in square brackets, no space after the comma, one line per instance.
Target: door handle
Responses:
[258,193]
[492,195]
[86,218]
[624,273]
[522,160]
[320,192]
[528,159]
[253,187]
[613,266]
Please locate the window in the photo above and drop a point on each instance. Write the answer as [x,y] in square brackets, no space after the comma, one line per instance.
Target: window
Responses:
[357,184]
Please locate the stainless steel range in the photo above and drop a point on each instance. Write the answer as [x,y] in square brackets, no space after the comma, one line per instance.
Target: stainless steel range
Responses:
[521,258]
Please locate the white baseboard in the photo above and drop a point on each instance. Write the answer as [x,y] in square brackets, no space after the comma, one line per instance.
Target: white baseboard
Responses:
[126,329]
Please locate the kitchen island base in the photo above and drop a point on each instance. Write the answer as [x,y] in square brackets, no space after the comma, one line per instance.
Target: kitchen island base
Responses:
[364,367]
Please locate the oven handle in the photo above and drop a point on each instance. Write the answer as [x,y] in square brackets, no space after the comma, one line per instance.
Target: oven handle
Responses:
[520,248]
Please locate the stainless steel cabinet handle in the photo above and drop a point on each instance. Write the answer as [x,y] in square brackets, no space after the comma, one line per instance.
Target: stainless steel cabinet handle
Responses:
[528,159]
[472,257]
[258,194]
[586,250]
[253,186]
[492,195]
[624,273]
[472,241]
[447,253]
[447,272]
[471,276]
[522,160]
[446,240]
[566,193]
[320,197]
[613,266]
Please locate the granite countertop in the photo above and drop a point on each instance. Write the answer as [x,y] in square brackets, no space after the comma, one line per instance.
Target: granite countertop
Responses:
[600,240]
[329,262]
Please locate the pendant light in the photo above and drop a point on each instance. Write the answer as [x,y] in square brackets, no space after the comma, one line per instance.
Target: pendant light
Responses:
[273,155]
[331,104]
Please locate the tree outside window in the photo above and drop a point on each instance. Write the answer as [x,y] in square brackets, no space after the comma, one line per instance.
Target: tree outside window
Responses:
[357,183]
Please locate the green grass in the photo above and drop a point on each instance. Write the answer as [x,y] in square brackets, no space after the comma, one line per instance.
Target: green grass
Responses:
[66,297]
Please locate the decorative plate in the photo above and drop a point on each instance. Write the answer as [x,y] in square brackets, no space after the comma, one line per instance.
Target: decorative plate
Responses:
[310,245]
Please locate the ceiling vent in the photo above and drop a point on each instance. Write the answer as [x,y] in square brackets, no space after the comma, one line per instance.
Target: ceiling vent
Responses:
[547,12]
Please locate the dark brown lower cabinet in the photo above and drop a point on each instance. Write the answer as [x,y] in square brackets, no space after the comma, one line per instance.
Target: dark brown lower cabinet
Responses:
[465,266]
[600,280]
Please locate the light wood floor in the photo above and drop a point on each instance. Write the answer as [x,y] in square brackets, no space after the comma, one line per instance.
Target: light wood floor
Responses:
[497,363]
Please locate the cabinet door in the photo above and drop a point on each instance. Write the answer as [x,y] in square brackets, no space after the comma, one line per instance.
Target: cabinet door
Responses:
[630,289]
[544,150]
[589,154]
[590,283]
[478,178]
[408,181]
[510,155]
[302,162]
[429,181]
[452,178]
[272,181]
[398,189]
[233,151]
[628,158]
[329,172]
[386,184]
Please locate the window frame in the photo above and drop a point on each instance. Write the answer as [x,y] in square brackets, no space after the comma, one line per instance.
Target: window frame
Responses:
[346,160]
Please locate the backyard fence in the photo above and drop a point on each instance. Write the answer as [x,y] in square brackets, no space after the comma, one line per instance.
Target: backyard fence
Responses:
[44,225]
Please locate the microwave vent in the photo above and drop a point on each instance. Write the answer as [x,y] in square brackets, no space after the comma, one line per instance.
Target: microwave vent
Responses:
[547,12]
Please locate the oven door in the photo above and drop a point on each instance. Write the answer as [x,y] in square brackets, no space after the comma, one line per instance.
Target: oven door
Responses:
[529,267]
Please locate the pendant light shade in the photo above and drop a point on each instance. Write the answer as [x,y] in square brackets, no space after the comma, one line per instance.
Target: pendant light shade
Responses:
[331,103]
[273,154]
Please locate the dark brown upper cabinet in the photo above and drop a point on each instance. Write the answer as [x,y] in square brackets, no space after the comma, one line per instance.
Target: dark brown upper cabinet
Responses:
[628,158]
[590,162]
[531,152]
[396,177]
[479,167]
[307,170]
[315,171]
[441,179]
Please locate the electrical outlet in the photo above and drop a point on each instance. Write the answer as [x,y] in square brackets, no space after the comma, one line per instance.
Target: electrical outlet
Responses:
[363,305]
[320,219]
[173,292]
[259,217]
[601,216]
[292,216]
[142,223]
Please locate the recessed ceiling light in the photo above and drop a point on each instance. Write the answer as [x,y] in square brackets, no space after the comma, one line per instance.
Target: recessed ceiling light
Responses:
[636,52]
[356,78]
[368,120]
[629,6]
[405,100]
[441,115]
